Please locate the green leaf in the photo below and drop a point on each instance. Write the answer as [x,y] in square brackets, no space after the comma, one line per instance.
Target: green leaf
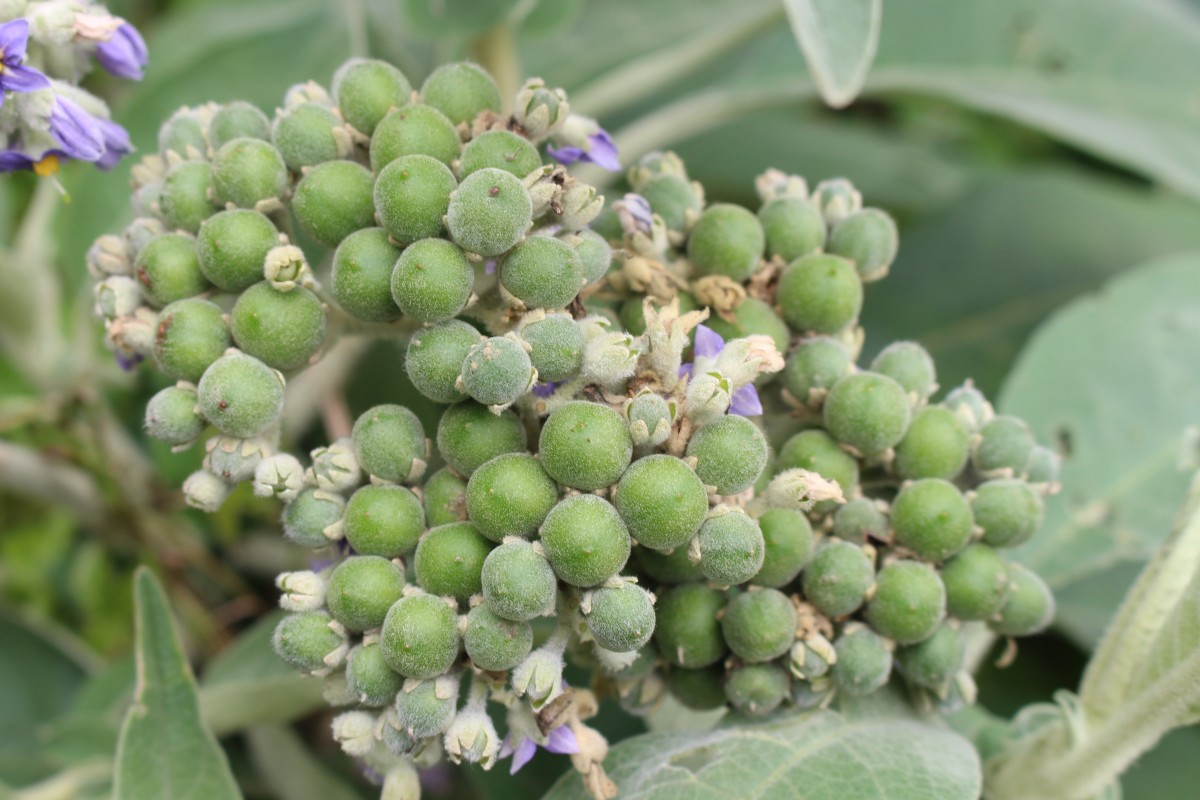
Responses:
[1112,380]
[819,756]
[247,684]
[291,770]
[165,751]
[839,39]
[435,18]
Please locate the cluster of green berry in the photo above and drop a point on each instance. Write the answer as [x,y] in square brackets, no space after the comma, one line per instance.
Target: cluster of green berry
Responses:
[603,494]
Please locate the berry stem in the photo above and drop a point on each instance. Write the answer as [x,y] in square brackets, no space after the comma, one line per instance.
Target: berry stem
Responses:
[356,26]
[496,51]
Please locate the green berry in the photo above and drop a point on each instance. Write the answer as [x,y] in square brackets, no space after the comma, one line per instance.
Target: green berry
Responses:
[1043,465]
[595,254]
[306,518]
[496,644]
[435,357]
[864,661]
[662,501]
[910,365]
[726,240]
[168,269]
[698,689]
[186,196]
[542,272]
[510,496]
[752,316]
[518,582]
[449,559]
[240,395]
[673,567]
[420,636]
[247,171]
[362,589]
[788,538]
[820,293]
[585,445]
[621,618]
[760,625]
[932,518]
[969,404]
[362,275]
[936,445]
[427,708]
[674,199]
[432,280]
[283,329]
[838,578]
[794,228]
[1029,608]
[384,520]
[366,90]
[686,627]
[489,212]
[191,335]
[309,134]
[370,679]
[411,131]
[183,134]
[304,640]
[461,91]
[497,371]
[445,498]
[860,520]
[757,689]
[1003,447]
[868,412]
[469,435]
[934,662]
[334,200]
[1009,510]
[501,150]
[976,583]
[817,452]
[232,246]
[390,443]
[909,602]
[585,540]
[869,239]
[412,195]
[236,120]
[731,548]
[730,454]
[556,344]
[814,367]
[171,416]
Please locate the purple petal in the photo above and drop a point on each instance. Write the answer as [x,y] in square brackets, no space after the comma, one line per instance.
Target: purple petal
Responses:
[76,130]
[745,402]
[544,389]
[20,78]
[521,756]
[562,741]
[506,748]
[709,343]
[128,362]
[565,155]
[116,143]
[124,54]
[602,151]
[489,266]
[639,208]
[13,38]
[686,369]
[11,160]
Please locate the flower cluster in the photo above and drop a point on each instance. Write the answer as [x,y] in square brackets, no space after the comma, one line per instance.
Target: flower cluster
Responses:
[46,48]
[597,489]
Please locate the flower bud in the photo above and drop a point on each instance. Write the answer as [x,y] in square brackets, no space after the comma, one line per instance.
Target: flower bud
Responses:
[472,737]
[540,111]
[800,489]
[545,187]
[650,418]
[653,165]
[302,591]
[539,676]
[134,334]
[109,255]
[775,185]
[837,199]
[310,92]
[139,233]
[812,657]
[743,360]
[580,205]
[401,783]
[355,732]
[280,475]
[285,268]
[235,460]
[205,491]
[335,468]
[117,296]
[708,397]
[608,357]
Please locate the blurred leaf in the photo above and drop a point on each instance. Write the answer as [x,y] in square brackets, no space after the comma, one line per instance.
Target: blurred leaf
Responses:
[1171,769]
[165,752]
[839,39]
[826,754]
[550,16]
[435,18]
[1112,380]
[290,769]
[247,684]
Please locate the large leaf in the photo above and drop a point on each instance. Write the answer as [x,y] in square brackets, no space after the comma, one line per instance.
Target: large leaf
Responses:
[839,39]
[247,684]
[165,751]
[817,756]
[291,770]
[1113,380]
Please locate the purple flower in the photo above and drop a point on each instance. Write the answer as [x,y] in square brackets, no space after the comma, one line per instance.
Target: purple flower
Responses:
[14,76]
[128,362]
[116,143]
[541,389]
[45,166]
[708,345]
[124,54]
[78,132]
[561,740]
[600,150]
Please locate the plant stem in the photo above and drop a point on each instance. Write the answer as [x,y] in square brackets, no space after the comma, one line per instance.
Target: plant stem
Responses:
[30,473]
[496,51]
[356,25]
